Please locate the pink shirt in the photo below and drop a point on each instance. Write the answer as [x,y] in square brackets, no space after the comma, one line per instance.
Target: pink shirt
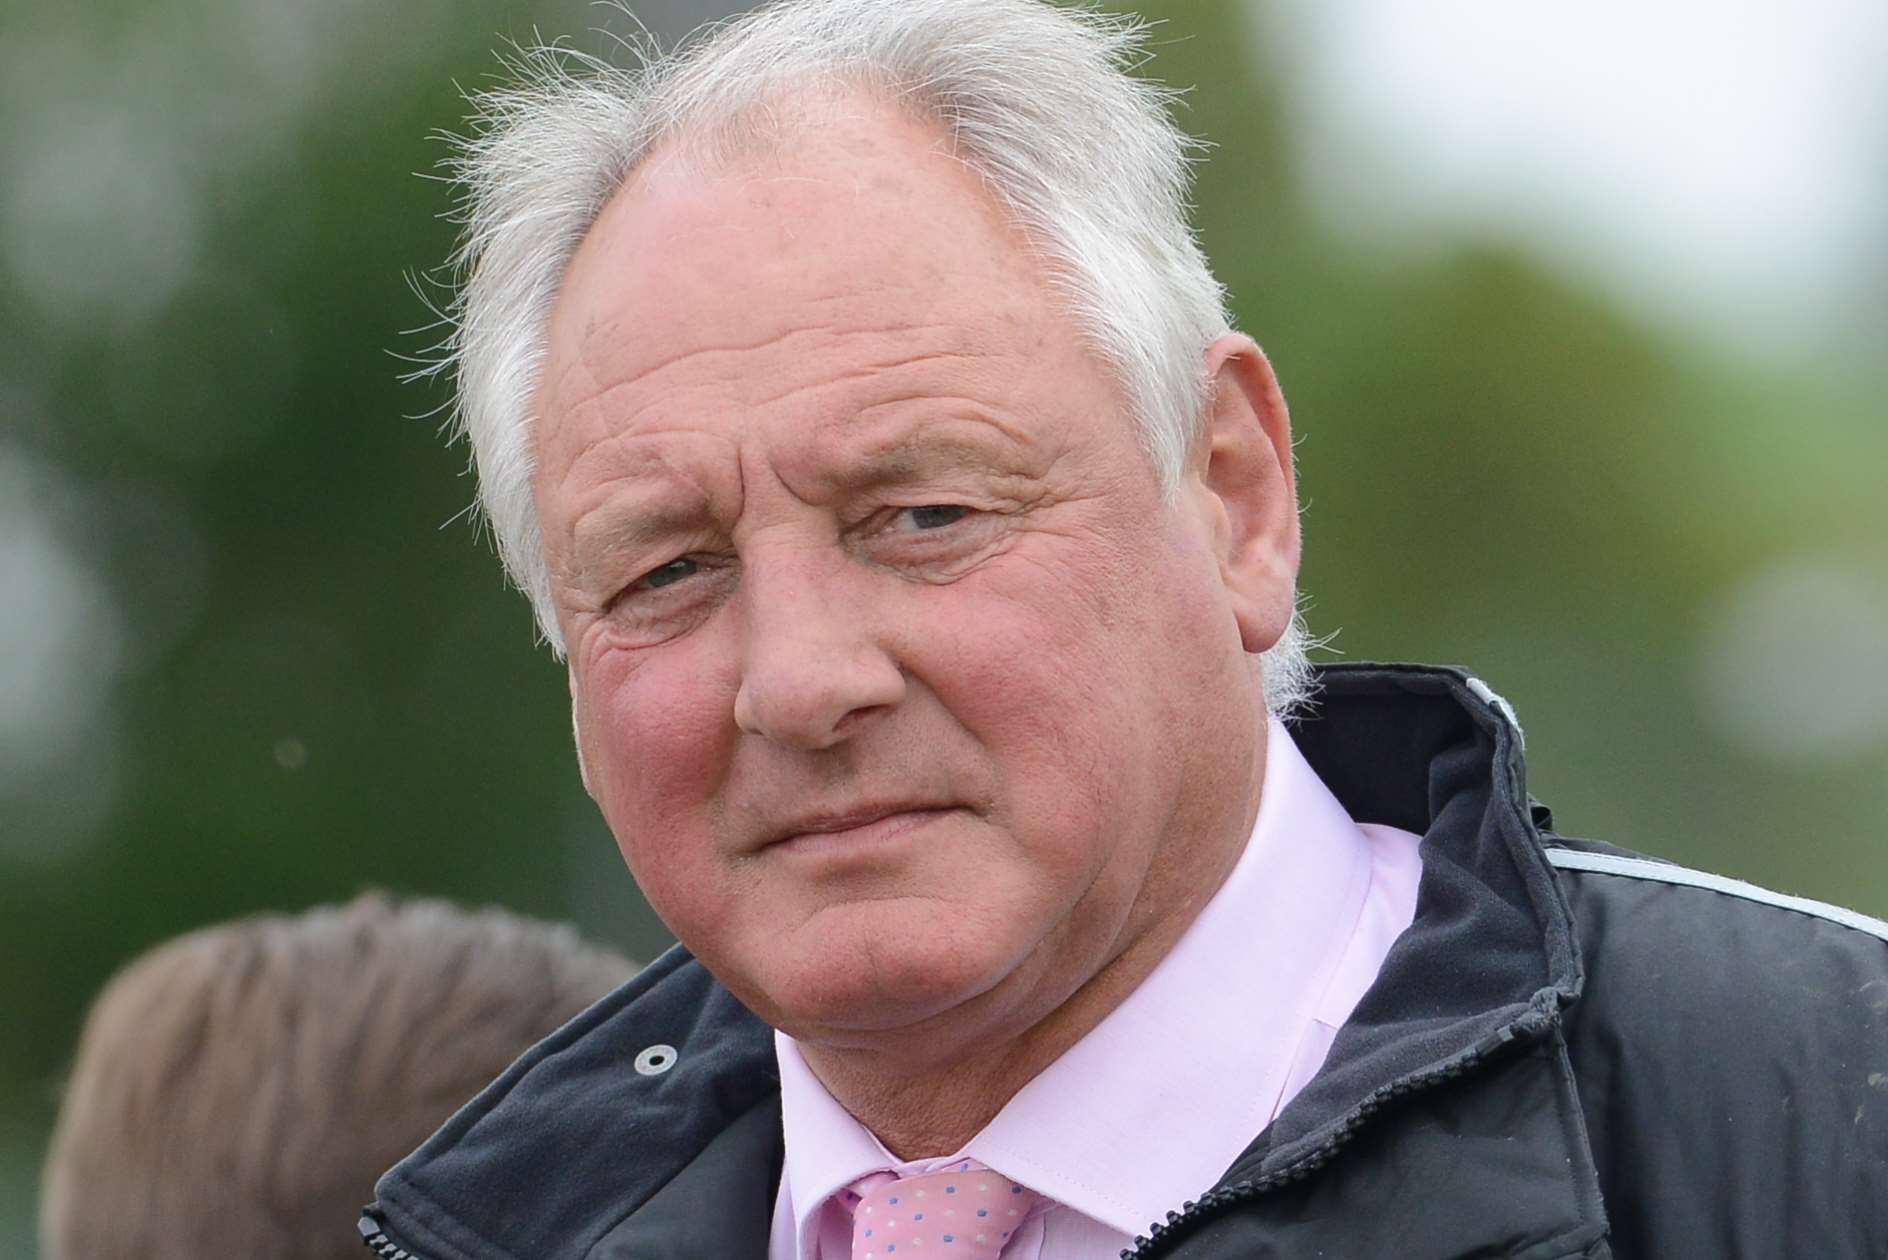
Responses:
[1140,1115]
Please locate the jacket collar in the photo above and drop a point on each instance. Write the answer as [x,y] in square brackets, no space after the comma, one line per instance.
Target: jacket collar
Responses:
[1445,1121]
[573,1152]
[1491,953]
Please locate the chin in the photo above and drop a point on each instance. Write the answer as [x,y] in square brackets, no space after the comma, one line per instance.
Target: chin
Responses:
[891,986]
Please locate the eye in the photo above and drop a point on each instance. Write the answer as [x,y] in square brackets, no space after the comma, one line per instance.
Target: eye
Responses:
[934,516]
[666,574]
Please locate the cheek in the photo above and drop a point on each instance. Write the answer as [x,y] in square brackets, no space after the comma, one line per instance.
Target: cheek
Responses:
[1096,679]
[1040,667]
[657,728]
[1092,627]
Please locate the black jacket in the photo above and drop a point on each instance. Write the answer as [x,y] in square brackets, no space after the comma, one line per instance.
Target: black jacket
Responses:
[1571,1052]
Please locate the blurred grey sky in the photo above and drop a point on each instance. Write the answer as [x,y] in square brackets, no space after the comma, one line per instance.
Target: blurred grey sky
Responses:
[1721,164]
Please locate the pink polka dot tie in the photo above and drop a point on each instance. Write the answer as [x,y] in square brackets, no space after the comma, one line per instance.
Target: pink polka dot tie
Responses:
[967,1212]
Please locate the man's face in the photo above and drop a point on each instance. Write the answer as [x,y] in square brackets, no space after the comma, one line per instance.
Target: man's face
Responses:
[909,701]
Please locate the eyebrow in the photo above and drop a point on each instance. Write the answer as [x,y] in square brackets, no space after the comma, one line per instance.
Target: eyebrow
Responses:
[915,447]
[630,528]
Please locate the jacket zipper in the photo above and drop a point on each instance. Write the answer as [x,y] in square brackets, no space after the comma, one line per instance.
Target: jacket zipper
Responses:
[377,1241]
[1193,1212]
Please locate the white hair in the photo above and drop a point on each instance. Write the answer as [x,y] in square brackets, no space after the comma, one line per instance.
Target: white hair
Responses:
[1037,100]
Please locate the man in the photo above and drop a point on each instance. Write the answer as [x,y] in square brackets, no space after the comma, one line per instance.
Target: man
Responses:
[851,400]
[237,1090]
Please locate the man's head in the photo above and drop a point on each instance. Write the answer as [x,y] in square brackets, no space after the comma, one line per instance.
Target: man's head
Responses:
[238,1090]
[1036,100]
[908,515]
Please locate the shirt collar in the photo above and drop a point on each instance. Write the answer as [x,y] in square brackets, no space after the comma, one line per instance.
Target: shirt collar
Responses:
[1230,1002]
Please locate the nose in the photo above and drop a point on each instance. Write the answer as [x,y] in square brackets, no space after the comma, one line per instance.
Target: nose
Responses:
[813,667]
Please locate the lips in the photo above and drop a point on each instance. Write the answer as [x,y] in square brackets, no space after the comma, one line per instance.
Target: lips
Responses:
[864,825]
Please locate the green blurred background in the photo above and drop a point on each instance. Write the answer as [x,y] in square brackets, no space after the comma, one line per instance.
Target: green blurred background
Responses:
[251,656]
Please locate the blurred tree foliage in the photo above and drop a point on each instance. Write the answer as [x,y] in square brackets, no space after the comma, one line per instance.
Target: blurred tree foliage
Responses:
[328,686]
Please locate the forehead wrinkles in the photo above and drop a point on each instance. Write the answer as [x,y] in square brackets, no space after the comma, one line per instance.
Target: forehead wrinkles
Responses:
[860,268]
[618,378]
[813,367]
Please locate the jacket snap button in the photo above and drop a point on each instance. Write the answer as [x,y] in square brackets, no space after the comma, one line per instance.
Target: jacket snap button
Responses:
[655,1060]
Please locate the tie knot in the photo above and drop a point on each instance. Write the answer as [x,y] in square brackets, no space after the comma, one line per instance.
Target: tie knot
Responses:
[966,1212]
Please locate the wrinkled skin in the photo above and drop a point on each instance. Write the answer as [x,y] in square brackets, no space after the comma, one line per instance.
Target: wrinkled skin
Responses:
[919,715]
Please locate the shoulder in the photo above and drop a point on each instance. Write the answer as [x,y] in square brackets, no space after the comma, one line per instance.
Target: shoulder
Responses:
[1589,869]
[1661,941]
[1670,938]
[1728,1041]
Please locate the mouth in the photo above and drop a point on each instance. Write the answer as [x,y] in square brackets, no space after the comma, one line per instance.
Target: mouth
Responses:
[855,829]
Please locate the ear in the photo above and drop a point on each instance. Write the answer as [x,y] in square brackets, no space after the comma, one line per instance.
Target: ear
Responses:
[1240,471]
[576,734]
